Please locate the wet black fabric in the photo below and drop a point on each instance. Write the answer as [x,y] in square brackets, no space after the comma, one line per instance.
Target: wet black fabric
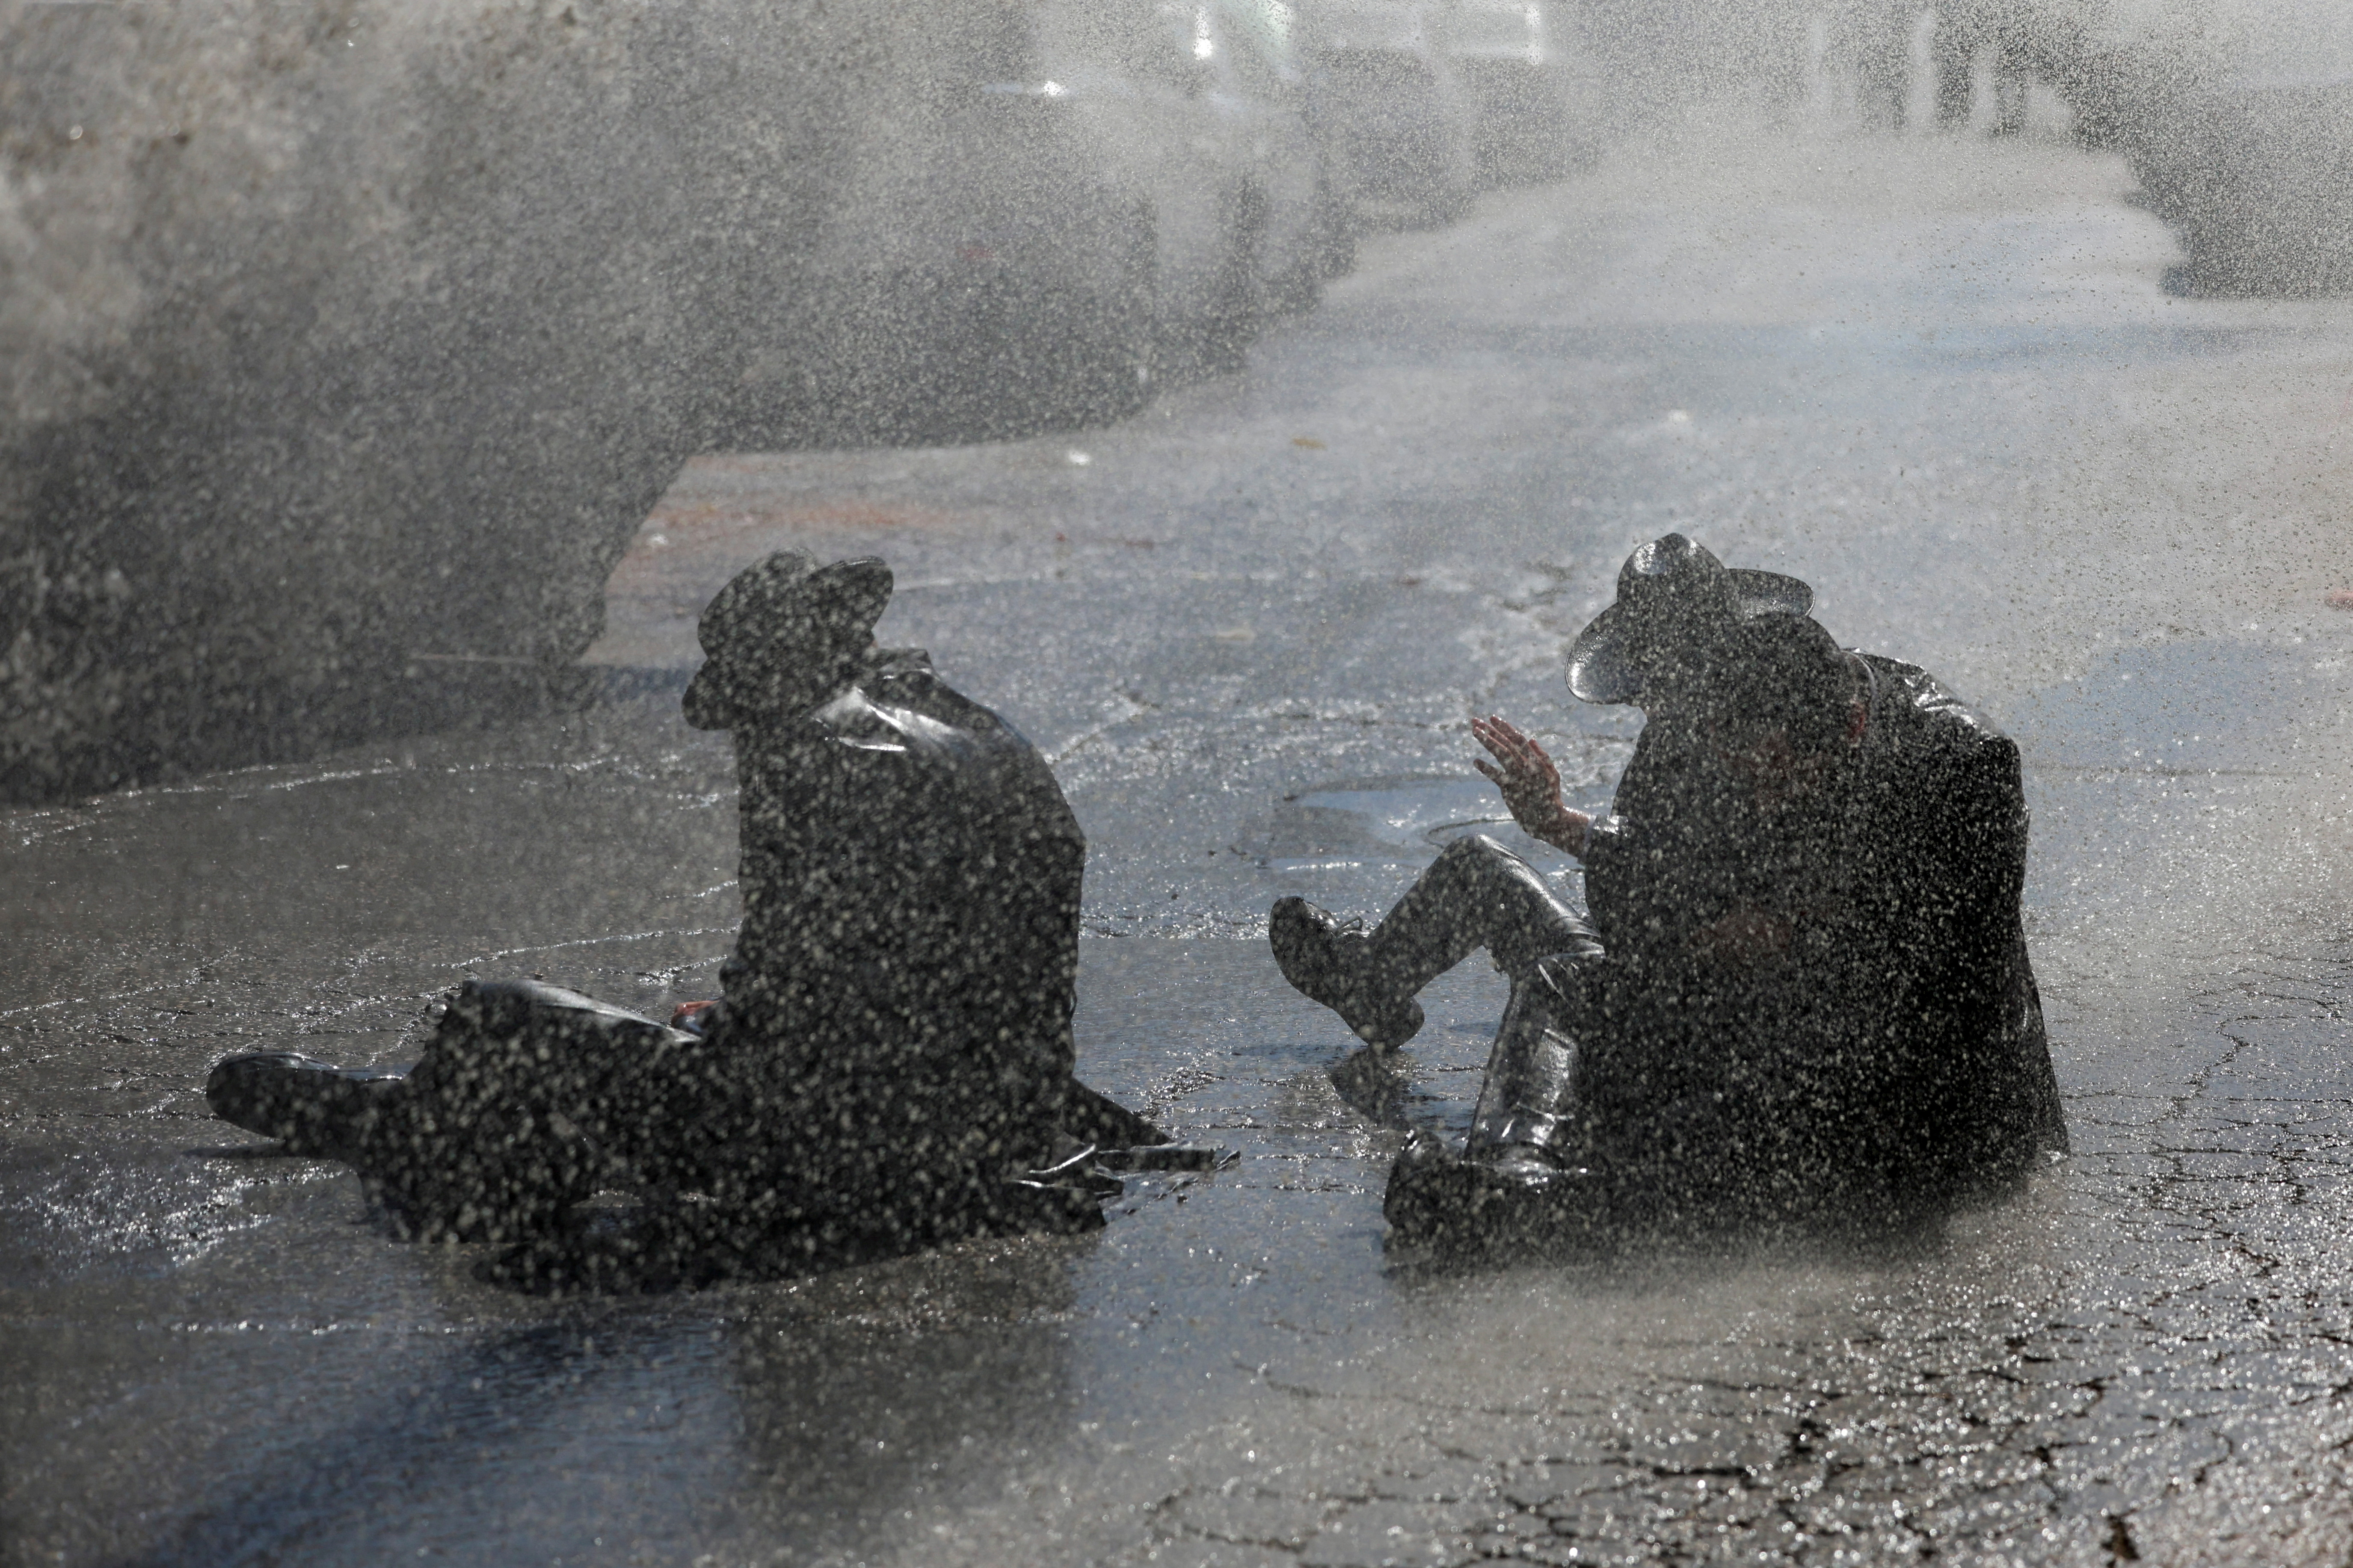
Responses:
[531,1097]
[1476,894]
[528,1098]
[1889,1055]
[895,1039]
[1895,1050]
[905,973]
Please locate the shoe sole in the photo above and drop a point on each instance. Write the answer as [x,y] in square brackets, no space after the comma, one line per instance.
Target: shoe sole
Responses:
[1444,1205]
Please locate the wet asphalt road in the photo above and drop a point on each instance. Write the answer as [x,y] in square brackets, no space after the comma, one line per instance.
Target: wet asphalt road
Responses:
[1942,382]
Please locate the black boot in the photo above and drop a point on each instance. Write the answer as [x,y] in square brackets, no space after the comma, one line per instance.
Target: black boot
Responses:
[1515,1201]
[1329,962]
[1518,1201]
[1475,894]
[312,1107]
[1529,1107]
[1521,1181]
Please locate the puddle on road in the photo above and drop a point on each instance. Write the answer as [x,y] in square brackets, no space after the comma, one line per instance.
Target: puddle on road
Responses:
[1399,818]
[2180,803]
[1239,1345]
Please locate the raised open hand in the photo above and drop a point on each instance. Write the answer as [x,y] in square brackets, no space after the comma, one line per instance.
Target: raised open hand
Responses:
[1530,783]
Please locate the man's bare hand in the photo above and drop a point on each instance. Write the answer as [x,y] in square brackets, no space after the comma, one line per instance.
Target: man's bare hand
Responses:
[1530,783]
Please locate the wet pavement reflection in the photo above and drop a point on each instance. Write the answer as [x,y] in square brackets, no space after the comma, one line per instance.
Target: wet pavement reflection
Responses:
[1249,629]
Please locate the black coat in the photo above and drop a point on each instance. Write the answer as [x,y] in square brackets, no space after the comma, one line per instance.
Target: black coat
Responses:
[1892,1051]
[894,1042]
[902,982]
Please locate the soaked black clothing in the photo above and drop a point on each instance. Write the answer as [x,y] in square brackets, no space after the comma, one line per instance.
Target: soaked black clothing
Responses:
[911,878]
[1887,1053]
[894,1041]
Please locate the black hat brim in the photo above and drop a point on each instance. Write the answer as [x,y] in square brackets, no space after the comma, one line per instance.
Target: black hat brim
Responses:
[855,594]
[1604,665]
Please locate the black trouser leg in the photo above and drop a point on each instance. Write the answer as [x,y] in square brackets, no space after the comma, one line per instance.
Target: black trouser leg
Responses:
[1530,1089]
[525,1099]
[1476,894]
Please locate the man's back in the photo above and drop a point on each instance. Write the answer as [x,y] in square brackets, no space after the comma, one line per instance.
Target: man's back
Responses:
[1940,833]
[1878,1038]
[911,878]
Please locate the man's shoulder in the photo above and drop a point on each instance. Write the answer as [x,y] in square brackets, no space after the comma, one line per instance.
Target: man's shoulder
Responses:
[902,718]
[906,683]
[1921,715]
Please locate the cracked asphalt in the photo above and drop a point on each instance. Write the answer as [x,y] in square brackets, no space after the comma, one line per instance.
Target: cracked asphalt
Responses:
[1940,380]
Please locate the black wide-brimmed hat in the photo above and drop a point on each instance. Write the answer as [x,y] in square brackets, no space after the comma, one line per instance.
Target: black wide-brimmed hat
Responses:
[1674,600]
[776,625]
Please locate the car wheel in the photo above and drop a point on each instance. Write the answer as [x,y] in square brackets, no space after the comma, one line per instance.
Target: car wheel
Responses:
[1240,309]
[1334,249]
[1119,361]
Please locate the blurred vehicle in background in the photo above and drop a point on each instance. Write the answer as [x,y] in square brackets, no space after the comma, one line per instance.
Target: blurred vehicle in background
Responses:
[1423,102]
[1535,84]
[344,356]
[1399,122]
[1046,206]
[344,348]
[2238,118]
[1268,65]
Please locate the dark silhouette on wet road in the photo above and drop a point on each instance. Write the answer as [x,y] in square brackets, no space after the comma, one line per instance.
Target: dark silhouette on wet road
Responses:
[891,1064]
[1804,992]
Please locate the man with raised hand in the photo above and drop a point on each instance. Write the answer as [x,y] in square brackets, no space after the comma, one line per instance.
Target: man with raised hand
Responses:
[1802,995]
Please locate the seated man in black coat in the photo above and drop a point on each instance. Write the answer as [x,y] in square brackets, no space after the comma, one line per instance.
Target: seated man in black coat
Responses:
[1803,995]
[891,1063]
